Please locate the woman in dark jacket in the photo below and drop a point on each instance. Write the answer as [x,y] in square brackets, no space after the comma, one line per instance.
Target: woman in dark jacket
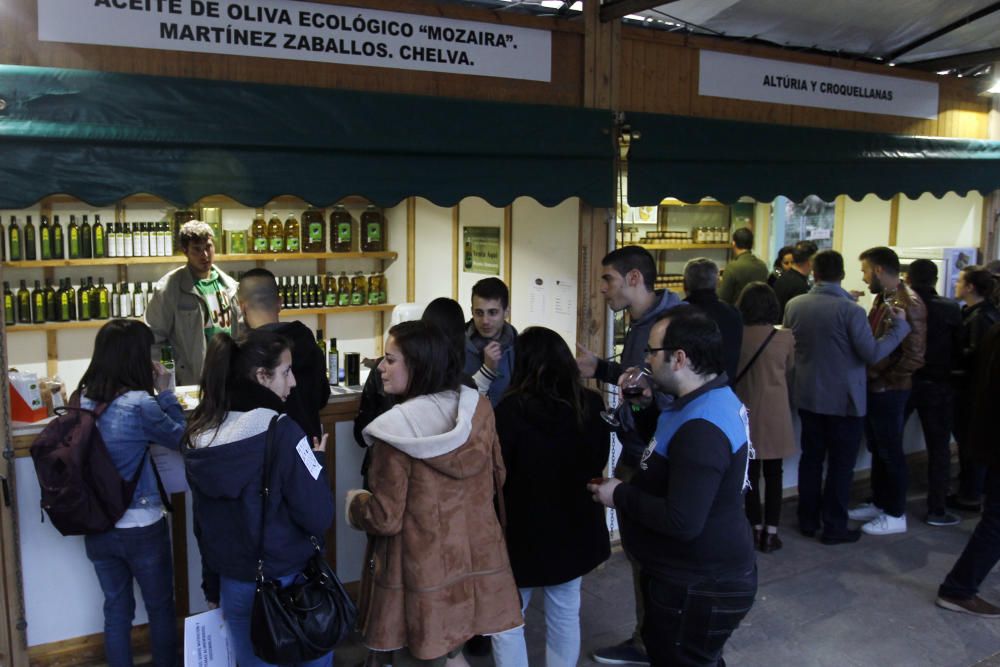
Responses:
[553,442]
[243,390]
[977,289]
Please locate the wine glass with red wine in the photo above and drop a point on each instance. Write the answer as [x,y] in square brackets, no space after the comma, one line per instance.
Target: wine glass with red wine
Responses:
[633,383]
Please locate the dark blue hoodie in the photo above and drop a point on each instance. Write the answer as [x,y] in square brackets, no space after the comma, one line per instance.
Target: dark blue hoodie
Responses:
[225,477]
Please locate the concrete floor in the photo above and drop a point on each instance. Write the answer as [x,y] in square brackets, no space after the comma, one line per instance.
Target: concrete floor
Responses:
[867,604]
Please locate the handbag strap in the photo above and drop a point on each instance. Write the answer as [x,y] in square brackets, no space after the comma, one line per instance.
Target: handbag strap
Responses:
[265,493]
[756,354]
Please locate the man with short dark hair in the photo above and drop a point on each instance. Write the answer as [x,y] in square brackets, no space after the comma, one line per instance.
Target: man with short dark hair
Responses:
[192,303]
[260,304]
[700,278]
[628,275]
[744,269]
[833,342]
[489,340]
[890,381]
[795,280]
[932,393]
[682,513]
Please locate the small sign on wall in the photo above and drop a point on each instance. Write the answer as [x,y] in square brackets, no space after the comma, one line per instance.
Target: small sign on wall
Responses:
[780,82]
[481,250]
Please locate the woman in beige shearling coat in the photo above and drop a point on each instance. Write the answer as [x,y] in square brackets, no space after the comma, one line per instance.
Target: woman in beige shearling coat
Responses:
[763,388]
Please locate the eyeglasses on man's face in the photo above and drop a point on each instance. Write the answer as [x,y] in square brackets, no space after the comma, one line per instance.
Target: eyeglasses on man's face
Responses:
[650,351]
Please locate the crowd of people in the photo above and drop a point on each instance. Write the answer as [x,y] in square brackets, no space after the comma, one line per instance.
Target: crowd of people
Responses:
[486,468]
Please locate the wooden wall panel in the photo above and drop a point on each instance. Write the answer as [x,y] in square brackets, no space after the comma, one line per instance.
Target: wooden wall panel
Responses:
[660,75]
[19,45]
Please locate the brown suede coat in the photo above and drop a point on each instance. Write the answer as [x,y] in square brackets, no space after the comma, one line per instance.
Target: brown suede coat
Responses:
[895,372]
[437,570]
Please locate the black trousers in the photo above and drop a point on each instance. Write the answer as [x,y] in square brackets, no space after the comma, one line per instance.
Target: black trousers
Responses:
[833,440]
[982,551]
[688,622]
[933,402]
[772,492]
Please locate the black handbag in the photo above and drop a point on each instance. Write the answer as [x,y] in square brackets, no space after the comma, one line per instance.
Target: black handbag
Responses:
[306,619]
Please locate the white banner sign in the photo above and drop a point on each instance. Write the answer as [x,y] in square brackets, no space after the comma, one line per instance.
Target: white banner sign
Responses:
[779,82]
[302,31]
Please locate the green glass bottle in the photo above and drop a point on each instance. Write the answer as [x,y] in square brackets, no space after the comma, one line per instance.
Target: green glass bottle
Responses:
[9,308]
[100,240]
[51,303]
[74,238]
[28,241]
[45,237]
[38,304]
[14,240]
[58,246]
[23,304]
[103,301]
[86,240]
[83,302]
[63,295]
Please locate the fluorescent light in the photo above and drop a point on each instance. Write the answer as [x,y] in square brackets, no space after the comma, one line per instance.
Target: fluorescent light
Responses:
[576,6]
[635,17]
[892,64]
[552,4]
[943,72]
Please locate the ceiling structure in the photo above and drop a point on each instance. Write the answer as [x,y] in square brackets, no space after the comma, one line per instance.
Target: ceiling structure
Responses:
[951,37]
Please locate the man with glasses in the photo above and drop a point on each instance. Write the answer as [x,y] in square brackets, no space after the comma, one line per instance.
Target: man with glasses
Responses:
[192,303]
[682,513]
[628,275]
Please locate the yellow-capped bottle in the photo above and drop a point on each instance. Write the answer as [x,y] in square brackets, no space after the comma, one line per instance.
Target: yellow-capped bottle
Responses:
[258,232]
[275,234]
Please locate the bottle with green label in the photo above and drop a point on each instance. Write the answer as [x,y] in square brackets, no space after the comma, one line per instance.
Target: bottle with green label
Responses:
[291,233]
[330,291]
[24,304]
[275,234]
[103,301]
[341,229]
[343,289]
[100,239]
[51,302]
[58,247]
[258,232]
[333,359]
[83,302]
[9,307]
[372,230]
[74,238]
[14,240]
[86,239]
[359,289]
[28,246]
[38,304]
[64,301]
[313,231]
[71,298]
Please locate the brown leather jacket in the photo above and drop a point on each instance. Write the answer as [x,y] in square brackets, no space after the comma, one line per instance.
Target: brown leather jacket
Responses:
[895,372]
[437,570]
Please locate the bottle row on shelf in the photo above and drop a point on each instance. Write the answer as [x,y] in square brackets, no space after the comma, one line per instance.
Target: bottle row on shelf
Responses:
[73,304]
[319,291]
[156,239]
[694,235]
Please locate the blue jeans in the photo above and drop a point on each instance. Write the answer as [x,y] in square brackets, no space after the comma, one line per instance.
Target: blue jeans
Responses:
[562,629]
[237,605]
[983,549]
[835,440]
[119,556]
[884,432]
[689,621]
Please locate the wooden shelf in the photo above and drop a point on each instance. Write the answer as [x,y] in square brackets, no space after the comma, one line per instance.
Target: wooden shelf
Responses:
[219,259]
[667,245]
[285,313]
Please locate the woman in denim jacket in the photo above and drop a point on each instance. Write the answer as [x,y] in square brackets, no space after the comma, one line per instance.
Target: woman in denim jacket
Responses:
[122,374]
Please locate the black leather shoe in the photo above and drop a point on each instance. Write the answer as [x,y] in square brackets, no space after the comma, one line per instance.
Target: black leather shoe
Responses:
[846,538]
[770,542]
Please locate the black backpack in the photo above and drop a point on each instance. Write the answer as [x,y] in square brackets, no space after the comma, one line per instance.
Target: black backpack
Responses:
[82,490]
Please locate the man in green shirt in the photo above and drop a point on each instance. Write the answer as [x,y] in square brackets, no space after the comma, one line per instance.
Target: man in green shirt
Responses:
[192,303]
[744,269]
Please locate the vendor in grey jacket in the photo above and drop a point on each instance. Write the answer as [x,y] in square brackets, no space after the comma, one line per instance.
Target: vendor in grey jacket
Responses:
[627,278]
[192,303]
[833,346]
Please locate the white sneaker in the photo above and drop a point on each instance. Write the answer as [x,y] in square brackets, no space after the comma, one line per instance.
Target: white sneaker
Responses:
[885,524]
[864,512]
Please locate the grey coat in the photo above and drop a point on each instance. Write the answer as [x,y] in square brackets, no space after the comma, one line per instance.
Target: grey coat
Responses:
[833,345]
[177,315]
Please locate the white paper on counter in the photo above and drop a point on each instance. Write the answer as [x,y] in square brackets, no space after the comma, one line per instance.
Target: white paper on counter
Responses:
[206,643]
[170,465]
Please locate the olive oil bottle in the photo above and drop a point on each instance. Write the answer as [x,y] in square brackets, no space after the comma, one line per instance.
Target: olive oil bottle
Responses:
[103,301]
[58,244]
[38,304]
[359,289]
[372,230]
[341,229]
[74,238]
[23,304]
[330,291]
[51,302]
[313,231]
[9,306]
[292,231]
[258,232]
[275,234]
[100,238]
[343,289]
[14,246]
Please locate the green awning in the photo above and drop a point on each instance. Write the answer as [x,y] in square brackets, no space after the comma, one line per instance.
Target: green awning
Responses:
[693,158]
[102,136]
